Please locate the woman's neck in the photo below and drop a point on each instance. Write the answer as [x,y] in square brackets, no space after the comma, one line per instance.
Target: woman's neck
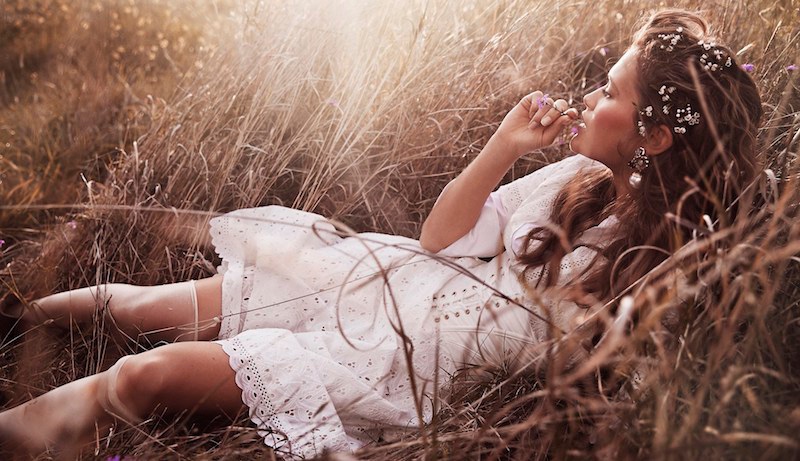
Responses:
[621,182]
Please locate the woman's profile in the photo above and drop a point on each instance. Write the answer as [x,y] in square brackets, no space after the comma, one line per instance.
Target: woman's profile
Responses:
[328,338]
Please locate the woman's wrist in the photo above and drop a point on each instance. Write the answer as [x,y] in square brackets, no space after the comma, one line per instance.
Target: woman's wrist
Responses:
[503,150]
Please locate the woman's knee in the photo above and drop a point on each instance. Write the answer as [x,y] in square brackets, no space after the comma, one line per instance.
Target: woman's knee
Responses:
[139,381]
[178,377]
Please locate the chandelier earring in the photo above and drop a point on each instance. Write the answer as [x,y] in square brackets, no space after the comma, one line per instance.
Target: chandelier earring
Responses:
[638,164]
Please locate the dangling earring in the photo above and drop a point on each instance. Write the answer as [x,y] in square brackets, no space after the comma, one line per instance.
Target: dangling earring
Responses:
[638,164]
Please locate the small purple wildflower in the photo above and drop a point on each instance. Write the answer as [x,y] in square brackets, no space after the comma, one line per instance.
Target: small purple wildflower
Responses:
[791,67]
[72,225]
[542,101]
[603,51]
[2,243]
[574,130]
[748,67]
[114,458]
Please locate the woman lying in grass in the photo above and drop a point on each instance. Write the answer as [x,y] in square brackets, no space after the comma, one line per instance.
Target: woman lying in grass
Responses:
[328,339]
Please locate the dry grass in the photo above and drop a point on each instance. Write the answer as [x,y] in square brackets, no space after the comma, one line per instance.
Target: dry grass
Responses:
[125,125]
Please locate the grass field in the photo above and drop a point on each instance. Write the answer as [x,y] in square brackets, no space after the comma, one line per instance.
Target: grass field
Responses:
[126,124]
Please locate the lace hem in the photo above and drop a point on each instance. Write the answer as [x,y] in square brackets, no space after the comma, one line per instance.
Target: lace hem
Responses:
[275,414]
[260,409]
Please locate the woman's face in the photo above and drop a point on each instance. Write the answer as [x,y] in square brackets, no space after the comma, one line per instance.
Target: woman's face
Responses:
[608,133]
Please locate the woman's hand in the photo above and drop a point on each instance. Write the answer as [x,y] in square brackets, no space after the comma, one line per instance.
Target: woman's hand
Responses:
[534,122]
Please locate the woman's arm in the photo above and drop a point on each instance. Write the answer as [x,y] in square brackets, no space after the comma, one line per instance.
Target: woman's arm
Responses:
[528,126]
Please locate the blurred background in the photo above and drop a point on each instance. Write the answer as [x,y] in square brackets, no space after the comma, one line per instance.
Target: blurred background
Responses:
[126,124]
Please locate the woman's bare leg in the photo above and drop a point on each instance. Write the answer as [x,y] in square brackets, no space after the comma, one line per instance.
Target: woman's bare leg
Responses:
[158,313]
[189,376]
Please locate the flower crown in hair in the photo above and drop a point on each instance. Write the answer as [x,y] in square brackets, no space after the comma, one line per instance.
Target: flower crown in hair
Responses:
[712,58]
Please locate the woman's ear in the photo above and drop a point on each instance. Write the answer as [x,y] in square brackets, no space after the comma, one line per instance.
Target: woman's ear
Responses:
[659,139]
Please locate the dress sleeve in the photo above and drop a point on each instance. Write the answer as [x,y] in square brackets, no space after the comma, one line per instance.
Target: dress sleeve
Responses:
[485,239]
[547,180]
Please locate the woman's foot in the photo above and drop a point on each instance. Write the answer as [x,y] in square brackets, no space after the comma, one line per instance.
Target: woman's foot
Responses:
[11,309]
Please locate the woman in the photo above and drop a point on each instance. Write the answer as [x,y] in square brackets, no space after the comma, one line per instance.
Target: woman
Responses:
[328,339]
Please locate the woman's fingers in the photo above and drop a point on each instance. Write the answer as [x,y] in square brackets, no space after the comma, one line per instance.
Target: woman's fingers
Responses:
[573,113]
[532,101]
[552,111]
[542,106]
[543,110]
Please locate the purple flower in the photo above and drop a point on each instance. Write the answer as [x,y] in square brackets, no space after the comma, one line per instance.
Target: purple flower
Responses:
[748,67]
[332,102]
[2,243]
[114,458]
[574,130]
[542,101]
[72,225]
[603,51]
[791,67]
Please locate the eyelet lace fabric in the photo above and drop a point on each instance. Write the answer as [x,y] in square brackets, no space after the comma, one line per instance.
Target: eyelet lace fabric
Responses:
[335,339]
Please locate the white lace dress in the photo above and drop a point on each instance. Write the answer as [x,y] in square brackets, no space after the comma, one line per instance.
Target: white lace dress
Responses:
[335,338]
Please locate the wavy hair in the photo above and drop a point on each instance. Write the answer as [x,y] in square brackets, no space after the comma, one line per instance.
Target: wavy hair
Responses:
[701,174]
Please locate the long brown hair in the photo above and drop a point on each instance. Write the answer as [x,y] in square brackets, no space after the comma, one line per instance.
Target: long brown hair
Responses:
[701,174]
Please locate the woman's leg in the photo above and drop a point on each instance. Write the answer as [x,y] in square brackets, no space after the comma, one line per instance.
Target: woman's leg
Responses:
[173,312]
[189,376]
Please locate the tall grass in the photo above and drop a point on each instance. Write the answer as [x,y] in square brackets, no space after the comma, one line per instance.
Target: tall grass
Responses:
[125,125]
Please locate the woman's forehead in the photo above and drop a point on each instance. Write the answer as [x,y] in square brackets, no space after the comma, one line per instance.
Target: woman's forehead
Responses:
[623,74]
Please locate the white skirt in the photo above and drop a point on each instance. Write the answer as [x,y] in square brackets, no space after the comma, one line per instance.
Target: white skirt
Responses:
[332,338]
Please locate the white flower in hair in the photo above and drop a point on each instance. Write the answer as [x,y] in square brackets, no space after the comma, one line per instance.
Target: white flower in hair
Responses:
[713,61]
[665,91]
[672,39]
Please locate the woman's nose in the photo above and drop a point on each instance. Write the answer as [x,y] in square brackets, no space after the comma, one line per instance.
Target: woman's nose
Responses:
[587,98]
